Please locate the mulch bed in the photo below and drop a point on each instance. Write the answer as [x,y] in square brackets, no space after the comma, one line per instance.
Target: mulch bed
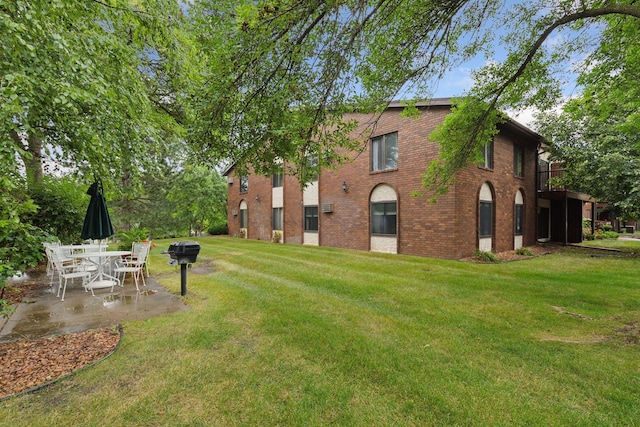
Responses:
[536,250]
[31,363]
[28,364]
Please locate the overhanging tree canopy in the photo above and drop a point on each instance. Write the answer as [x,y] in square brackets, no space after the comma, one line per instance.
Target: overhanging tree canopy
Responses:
[79,80]
[284,72]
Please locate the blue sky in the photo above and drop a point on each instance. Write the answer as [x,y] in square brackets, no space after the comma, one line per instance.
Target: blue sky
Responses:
[460,79]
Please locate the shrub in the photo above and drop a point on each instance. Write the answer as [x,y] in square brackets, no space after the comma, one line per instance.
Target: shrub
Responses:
[218,229]
[610,235]
[524,251]
[588,236]
[486,256]
[62,205]
[606,227]
[126,238]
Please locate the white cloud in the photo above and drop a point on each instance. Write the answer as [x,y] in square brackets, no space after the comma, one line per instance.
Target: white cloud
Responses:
[454,83]
[525,116]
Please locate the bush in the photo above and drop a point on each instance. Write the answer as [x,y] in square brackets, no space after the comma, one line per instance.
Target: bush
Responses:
[218,229]
[486,256]
[610,235]
[524,251]
[126,238]
[606,227]
[588,236]
[62,205]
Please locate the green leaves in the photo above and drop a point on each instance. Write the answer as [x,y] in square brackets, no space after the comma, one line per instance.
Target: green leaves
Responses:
[461,135]
[596,134]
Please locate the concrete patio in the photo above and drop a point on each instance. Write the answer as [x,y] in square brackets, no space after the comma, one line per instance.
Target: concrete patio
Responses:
[42,314]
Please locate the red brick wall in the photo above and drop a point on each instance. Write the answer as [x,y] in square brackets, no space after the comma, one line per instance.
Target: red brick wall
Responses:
[259,210]
[293,211]
[423,228]
[505,186]
[446,229]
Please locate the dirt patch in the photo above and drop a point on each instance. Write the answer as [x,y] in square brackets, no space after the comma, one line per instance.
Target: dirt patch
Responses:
[629,333]
[204,267]
[563,311]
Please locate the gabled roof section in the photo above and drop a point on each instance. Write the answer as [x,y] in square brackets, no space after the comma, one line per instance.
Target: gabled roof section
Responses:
[228,168]
[510,125]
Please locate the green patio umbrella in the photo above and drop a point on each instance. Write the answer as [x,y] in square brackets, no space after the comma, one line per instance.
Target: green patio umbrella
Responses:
[97,223]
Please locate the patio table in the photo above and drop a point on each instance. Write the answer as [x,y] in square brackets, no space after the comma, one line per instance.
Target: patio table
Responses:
[101,279]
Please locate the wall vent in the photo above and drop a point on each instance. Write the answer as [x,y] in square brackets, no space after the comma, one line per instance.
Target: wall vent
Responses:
[234,212]
[229,180]
[327,207]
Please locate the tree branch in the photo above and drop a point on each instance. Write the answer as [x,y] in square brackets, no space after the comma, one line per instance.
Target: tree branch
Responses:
[629,10]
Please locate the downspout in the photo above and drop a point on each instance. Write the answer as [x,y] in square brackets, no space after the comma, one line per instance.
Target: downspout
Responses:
[538,189]
[593,218]
[566,220]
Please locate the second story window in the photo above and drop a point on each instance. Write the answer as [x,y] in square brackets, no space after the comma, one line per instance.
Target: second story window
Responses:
[312,165]
[277,179]
[487,155]
[384,152]
[518,160]
[244,184]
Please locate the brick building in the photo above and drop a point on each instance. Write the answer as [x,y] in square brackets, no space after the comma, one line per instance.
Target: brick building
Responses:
[368,205]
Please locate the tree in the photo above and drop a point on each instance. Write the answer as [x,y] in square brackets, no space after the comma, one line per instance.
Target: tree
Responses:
[200,197]
[286,71]
[85,84]
[80,81]
[597,135]
[19,241]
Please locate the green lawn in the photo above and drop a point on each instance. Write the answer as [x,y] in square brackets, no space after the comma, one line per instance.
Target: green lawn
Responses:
[293,335]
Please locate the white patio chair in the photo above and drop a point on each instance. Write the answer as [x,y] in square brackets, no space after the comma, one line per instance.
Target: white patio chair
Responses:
[48,250]
[135,266]
[55,252]
[67,272]
[136,247]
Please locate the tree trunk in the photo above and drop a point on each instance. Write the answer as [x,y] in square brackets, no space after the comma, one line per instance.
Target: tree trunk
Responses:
[34,164]
[31,154]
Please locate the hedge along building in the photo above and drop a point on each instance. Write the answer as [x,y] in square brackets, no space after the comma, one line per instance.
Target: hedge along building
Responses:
[368,205]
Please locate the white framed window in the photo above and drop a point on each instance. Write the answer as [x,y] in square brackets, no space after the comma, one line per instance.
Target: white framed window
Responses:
[486,213]
[518,215]
[384,152]
[487,155]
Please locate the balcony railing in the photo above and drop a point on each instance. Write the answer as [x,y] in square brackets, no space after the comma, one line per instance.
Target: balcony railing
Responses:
[548,180]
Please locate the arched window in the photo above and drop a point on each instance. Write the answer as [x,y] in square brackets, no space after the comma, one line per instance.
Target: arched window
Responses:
[244,218]
[485,218]
[384,219]
[518,220]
